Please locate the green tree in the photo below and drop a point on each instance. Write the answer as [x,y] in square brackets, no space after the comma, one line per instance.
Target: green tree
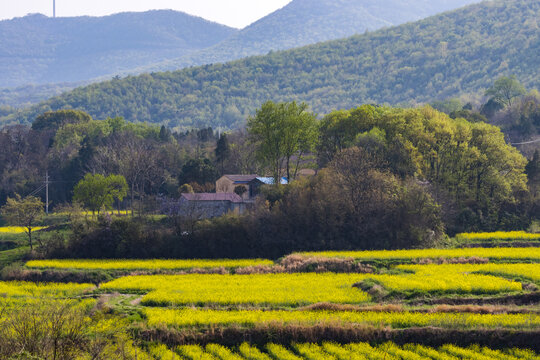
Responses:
[199,171]
[280,132]
[23,212]
[54,120]
[240,190]
[505,90]
[223,150]
[97,191]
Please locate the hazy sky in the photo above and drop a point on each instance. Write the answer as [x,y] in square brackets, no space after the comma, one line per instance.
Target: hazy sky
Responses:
[236,13]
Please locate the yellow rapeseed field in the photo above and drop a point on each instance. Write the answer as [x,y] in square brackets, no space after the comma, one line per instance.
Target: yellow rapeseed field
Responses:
[451,282]
[499,235]
[491,253]
[30,289]
[257,289]
[182,318]
[18,229]
[308,288]
[437,272]
[145,264]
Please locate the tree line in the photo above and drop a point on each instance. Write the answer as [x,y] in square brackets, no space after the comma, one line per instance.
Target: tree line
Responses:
[385,178]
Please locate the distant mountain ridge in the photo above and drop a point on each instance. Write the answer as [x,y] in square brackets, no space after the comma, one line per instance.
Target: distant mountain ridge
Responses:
[446,55]
[36,49]
[87,49]
[305,22]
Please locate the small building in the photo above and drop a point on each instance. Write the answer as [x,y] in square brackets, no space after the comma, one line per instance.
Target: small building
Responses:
[227,184]
[252,184]
[209,205]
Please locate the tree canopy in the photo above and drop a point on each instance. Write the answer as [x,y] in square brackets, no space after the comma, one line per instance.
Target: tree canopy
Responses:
[98,192]
[281,131]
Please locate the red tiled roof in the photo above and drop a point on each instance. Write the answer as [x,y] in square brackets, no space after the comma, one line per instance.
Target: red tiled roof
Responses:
[232,197]
[241,178]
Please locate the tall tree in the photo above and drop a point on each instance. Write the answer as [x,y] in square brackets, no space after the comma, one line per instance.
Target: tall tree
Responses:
[97,191]
[223,151]
[280,132]
[23,212]
[505,90]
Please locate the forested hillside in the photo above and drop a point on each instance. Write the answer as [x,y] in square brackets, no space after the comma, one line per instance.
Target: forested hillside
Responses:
[36,49]
[305,22]
[436,58]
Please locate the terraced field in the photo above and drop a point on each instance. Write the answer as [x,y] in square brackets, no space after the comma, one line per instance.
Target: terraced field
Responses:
[499,254]
[333,351]
[464,303]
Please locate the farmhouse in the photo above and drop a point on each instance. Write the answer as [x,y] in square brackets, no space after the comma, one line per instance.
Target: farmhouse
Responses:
[225,200]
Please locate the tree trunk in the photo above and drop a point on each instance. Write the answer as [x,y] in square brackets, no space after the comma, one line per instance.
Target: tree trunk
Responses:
[30,238]
[132,190]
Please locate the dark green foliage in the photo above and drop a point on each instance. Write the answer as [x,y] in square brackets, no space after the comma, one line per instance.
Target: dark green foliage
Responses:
[469,115]
[305,22]
[240,190]
[54,120]
[223,151]
[302,22]
[75,49]
[436,58]
[199,171]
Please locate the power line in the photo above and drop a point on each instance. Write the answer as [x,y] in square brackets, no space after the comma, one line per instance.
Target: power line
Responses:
[47,192]
[527,142]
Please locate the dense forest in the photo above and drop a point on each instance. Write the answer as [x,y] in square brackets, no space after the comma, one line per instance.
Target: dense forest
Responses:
[305,22]
[158,41]
[384,178]
[443,56]
[76,49]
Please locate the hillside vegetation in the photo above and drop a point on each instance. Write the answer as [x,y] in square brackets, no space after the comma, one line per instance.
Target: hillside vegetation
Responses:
[73,49]
[305,22]
[439,57]
[81,48]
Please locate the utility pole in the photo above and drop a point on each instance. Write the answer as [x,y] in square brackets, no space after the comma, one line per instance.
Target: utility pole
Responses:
[54,8]
[47,192]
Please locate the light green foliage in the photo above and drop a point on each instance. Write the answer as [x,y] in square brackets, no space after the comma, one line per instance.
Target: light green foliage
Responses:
[505,90]
[97,191]
[54,120]
[471,161]
[281,131]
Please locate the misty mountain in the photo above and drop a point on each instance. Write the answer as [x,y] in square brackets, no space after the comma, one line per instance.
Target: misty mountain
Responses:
[36,49]
[304,22]
[436,58]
